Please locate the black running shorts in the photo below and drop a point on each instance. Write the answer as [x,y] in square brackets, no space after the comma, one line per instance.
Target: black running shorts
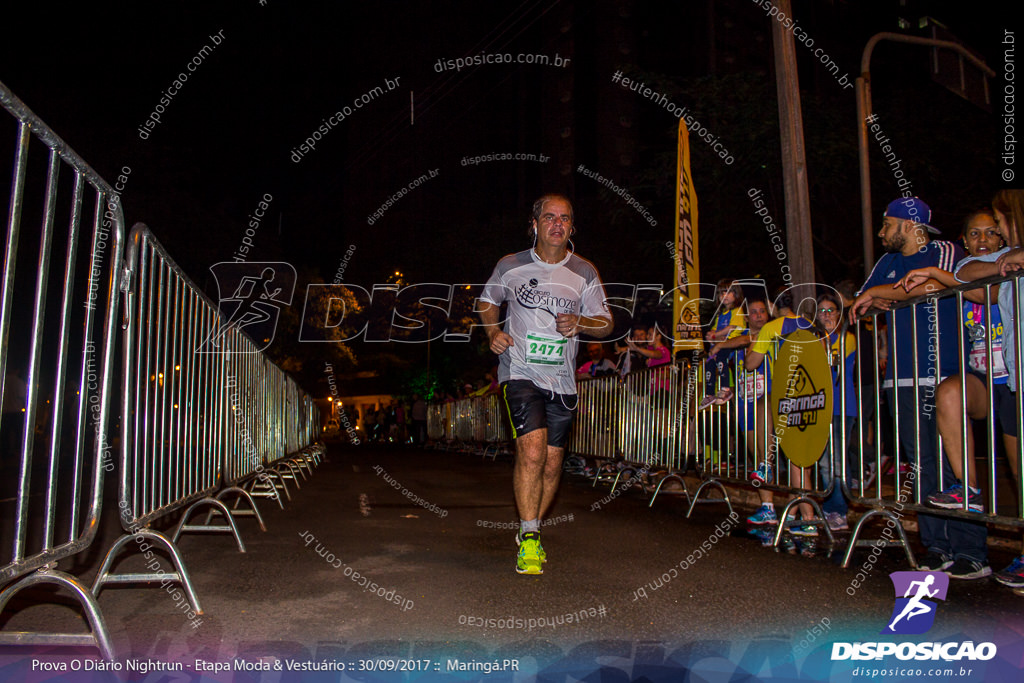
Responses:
[1005,405]
[531,408]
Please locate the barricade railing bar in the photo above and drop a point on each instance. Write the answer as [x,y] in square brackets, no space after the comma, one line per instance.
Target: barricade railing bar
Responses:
[926,395]
[203,408]
[191,422]
[479,424]
[174,395]
[439,421]
[62,253]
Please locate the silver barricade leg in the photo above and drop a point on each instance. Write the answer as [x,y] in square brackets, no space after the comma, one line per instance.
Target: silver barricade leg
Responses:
[104,576]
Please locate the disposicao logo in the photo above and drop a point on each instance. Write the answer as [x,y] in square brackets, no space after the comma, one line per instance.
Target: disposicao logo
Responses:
[915,607]
[913,614]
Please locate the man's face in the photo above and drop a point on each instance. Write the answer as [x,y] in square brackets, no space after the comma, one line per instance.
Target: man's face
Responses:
[982,236]
[640,336]
[893,234]
[757,315]
[594,351]
[555,223]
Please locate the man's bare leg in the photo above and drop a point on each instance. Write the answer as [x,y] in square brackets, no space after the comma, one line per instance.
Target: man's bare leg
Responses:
[529,473]
[552,476]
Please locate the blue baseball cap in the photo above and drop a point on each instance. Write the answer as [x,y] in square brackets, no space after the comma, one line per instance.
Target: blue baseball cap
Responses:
[911,209]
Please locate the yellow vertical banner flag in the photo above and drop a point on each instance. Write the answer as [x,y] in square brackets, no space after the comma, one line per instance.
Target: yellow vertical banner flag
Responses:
[686,302]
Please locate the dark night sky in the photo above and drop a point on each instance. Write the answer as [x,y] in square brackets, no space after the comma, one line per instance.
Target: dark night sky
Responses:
[94,72]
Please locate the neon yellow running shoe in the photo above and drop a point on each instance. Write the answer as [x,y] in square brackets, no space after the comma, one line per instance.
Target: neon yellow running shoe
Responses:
[528,561]
[540,548]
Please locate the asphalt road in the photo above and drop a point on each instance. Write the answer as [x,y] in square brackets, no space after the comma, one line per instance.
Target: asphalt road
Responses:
[608,599]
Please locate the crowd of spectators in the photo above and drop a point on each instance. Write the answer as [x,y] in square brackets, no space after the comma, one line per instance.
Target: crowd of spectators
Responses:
[924,382]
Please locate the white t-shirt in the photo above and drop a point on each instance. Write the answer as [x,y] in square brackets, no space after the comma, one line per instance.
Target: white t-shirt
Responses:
[536,292]
[1011,323]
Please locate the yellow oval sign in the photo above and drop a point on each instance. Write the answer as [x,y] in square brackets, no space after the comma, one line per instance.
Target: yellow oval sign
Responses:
[801,397]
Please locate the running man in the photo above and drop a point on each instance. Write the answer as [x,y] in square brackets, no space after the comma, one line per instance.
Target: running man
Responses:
[552,296]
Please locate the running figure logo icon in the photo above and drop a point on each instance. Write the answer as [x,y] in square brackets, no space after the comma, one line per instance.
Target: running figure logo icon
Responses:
[914,612]
[257,291]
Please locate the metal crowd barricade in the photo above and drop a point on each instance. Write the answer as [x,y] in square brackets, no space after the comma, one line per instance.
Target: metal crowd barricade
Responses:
[477,423]
[202,408]
[438,421]
[497,431]
[58,316]
[891,495]
[640,422]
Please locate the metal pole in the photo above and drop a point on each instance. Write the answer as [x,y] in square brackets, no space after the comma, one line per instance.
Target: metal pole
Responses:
[794,164]
[863,91]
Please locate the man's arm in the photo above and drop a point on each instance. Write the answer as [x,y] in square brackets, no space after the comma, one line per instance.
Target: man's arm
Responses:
[883,297]
[569,325]
[498,340]
[594,300]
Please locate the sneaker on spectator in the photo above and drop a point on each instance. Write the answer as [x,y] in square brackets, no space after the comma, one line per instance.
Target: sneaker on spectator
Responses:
[836,521]
[968,569]
[953,498]
[723,396]
[934,562]
[872,472]
[1012,576]
[706,402]
[764,515]
[763,473]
